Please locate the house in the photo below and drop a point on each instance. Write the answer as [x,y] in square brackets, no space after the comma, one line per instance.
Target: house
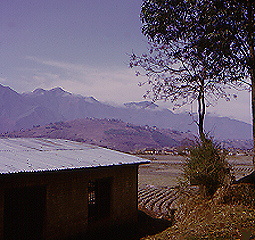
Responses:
[56,189]
[150,151]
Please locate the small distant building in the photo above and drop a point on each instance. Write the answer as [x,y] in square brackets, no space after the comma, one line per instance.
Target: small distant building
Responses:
[171,151]
[56,189]
[150,151]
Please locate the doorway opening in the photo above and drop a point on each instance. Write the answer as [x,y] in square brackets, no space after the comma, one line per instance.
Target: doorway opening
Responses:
[24,213]
[99,198]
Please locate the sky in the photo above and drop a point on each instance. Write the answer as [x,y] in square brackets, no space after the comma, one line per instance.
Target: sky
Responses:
[82,46]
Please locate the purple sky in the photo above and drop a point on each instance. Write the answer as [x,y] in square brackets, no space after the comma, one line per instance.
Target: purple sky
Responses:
[81,46]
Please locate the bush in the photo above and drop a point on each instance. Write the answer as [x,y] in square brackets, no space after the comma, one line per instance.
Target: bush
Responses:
[206,166]
[239,194]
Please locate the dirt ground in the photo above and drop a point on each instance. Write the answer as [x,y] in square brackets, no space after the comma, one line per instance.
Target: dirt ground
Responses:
[165,170]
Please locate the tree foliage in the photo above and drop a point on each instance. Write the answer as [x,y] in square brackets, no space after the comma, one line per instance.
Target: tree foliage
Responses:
[219,33]
[179,65]
[219,29]
[206,167]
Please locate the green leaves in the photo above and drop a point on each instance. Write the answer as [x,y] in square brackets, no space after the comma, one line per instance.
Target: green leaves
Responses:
[203,45]
[206,167]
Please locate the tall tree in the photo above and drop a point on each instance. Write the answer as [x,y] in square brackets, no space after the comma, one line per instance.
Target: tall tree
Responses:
[178,66]
[175,73]
[223,28]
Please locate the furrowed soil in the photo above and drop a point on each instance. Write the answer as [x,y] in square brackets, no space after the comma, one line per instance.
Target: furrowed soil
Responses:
[192,217]
[165,170]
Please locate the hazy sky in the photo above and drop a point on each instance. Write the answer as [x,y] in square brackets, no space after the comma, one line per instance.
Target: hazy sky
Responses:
[81,46]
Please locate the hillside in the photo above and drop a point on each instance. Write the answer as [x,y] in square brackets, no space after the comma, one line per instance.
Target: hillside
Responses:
[109,133]
[40,107]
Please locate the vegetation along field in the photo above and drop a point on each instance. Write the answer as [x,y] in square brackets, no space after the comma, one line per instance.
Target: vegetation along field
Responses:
[229,214]
[165,170]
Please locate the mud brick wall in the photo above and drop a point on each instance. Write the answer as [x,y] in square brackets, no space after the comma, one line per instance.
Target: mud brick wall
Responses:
[66,200]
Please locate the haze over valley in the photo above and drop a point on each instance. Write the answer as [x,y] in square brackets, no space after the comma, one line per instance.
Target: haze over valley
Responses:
[30,110]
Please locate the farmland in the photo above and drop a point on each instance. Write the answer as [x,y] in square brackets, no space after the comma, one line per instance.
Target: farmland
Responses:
[165,170]
[158,182]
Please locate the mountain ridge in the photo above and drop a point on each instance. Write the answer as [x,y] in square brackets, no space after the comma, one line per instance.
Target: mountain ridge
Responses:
[109,133]
[40,107]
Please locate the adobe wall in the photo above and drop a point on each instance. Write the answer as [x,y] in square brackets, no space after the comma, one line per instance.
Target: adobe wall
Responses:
[67,198]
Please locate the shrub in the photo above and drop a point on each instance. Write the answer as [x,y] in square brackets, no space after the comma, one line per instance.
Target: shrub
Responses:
[206,166]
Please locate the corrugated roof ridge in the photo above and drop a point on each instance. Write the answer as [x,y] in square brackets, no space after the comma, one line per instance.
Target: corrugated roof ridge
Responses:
[30,155]
[36,149]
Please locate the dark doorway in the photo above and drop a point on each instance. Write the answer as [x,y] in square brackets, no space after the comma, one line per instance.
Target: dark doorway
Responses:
[24,211]
[99,201]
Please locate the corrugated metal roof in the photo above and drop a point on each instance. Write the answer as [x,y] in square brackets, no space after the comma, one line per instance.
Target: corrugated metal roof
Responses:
[37,154]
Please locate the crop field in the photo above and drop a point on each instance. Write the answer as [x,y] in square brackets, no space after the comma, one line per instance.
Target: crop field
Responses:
[158,181]
[165,170]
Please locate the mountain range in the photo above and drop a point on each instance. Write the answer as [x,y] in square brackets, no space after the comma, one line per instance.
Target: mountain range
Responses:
[41,107]
[109,133]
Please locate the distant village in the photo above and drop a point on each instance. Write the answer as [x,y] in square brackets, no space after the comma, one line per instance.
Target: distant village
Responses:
[182,151]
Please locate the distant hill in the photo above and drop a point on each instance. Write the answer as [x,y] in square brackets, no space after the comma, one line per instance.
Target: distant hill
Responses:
[110,133]
[40,107]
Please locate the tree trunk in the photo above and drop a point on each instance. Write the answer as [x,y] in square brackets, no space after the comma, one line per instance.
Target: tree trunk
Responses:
[201,114]
[250,10]
[253,114]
